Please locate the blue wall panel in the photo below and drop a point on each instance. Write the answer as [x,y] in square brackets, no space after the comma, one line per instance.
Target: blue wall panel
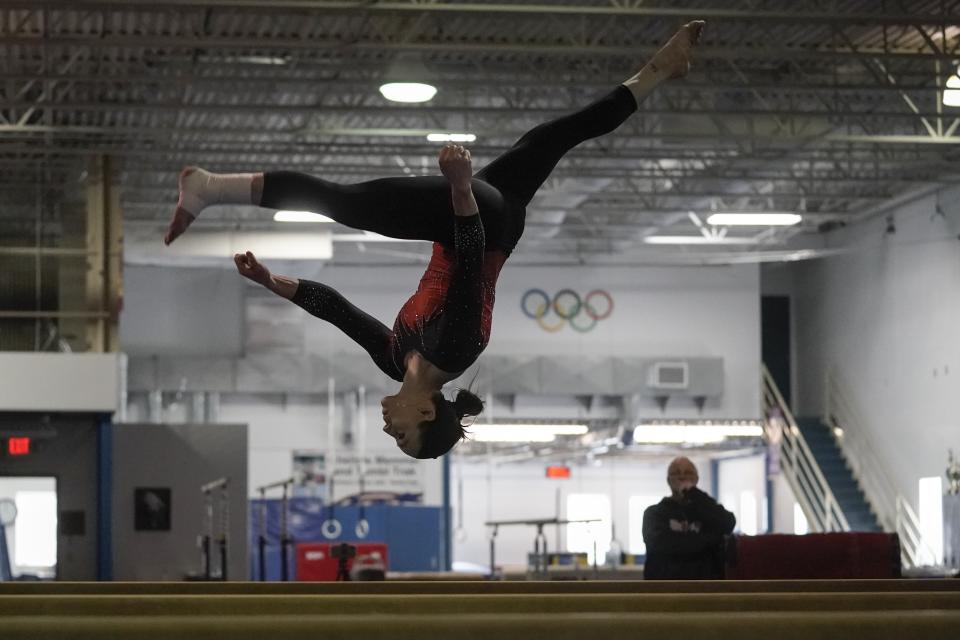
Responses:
[412,533]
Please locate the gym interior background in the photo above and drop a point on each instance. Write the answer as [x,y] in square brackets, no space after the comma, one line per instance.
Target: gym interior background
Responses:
[164,420]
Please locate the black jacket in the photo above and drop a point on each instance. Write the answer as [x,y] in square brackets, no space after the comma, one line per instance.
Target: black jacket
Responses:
[685,539]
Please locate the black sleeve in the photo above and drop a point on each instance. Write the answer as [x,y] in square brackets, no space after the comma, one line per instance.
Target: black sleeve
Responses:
[711,513]
[660,539]
[327,304]
[464,296]
[468,240]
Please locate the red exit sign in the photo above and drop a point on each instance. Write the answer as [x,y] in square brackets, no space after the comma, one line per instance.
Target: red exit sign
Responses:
[18,446]
[556,471]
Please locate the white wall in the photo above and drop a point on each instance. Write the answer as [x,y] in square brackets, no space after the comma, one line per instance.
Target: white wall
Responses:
[522,492]
[783,502]
[180,458]
[885,317]
[181,311]
[59,381]
[739,480]
[677,311]
[279,426]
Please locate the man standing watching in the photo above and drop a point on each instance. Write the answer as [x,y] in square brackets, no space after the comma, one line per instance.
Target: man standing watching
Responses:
[684,532]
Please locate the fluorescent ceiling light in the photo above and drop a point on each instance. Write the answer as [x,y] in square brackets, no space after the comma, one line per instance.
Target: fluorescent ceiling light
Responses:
[267,60]
[951,97]
[556,429]
[524,432]
[451,137]
[697,240]
[706,433]
[300,216]
[252,59]
[200,243]
[754,219]
[408,91]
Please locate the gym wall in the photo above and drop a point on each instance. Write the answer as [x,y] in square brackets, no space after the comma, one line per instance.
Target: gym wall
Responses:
[181,458]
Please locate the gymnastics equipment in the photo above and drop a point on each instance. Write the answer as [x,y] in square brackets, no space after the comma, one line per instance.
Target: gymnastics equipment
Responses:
[285,540]
[215,492]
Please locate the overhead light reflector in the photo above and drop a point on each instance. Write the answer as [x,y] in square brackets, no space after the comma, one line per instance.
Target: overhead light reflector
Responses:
[754,219]
[266,60]
[451,137]
[705,433]
[524,432]
[408,91]
[951,96]
[697,240]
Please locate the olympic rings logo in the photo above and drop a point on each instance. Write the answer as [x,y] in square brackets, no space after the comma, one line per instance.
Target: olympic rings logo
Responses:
[581,314]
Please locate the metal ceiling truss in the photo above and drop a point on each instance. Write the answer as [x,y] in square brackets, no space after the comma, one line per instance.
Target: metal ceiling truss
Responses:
[824,108]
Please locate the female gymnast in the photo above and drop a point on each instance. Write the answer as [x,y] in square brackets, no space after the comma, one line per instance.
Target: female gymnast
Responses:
[442,329]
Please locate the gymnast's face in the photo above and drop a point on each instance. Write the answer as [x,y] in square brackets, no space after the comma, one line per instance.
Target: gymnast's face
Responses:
[402,414]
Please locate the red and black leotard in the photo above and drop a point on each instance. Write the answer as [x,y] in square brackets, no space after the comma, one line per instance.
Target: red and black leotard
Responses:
[447,320]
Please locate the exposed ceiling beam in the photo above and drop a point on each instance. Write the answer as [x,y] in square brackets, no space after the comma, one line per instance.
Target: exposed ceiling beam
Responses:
[196,77]
[564,50]
[371,110]
[533,9]
[371,132]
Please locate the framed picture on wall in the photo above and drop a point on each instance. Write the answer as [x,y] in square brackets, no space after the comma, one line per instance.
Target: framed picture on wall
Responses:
[151,509]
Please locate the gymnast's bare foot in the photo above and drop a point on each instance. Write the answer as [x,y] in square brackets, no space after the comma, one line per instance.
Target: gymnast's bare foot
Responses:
[200,188]
[673,59]
[181,217]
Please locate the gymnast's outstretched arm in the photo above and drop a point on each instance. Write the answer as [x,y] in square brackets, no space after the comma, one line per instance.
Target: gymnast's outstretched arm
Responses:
[456,166]
[469,240]
[327,304]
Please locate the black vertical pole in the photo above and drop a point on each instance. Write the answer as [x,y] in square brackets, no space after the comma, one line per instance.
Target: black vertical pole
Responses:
[223,558]
[262,543]
[284,538]
[262,538]
[206,556]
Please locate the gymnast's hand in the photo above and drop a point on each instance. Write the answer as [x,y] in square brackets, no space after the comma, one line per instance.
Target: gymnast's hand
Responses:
[249,267]
[456,166]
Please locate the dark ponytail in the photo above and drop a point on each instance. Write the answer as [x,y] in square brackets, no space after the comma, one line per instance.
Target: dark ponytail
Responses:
[467,403]
[439,435]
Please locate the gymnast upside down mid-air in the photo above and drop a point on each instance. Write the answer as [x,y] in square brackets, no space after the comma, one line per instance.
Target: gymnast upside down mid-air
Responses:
[474,221]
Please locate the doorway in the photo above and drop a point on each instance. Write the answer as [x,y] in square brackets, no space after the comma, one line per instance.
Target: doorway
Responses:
[28,506]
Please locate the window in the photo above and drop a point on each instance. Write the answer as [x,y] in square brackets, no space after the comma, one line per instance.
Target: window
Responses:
[35,530]
[931,521]
[748,513]
[800,525]
[636,506]
[587,536]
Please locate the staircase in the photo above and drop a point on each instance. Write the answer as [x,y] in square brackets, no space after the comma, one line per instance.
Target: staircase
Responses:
[838,475]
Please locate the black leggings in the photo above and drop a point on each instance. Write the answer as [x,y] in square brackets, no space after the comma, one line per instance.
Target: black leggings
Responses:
[419,208]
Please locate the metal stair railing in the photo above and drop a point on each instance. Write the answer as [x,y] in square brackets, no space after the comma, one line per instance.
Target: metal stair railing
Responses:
[797,463]
[893,510]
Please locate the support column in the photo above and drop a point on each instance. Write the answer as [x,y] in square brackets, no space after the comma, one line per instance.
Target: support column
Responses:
[104,498]
[104,267]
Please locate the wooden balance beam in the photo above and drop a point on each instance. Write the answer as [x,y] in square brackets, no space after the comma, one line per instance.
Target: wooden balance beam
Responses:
[490,587]
[293,605]
[873,625]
